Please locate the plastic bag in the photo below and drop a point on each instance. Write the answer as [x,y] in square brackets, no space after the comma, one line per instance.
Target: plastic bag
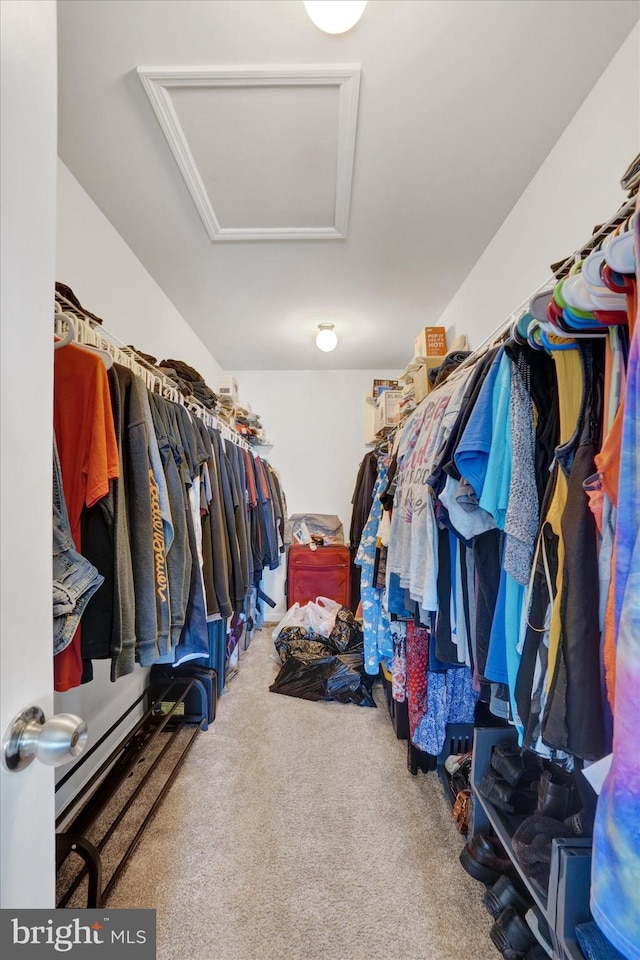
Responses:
[296,616]
[347,632]
[307,527]
[322,614]
[294,641]
[340,678]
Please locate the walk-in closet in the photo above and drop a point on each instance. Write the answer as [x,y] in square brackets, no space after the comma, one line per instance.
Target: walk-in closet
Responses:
[320,524]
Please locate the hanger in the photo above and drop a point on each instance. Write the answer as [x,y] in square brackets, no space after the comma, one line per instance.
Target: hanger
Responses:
[76,330]
[70,337]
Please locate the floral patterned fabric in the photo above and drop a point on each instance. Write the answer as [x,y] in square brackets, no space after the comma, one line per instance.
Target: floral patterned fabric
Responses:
[378,645]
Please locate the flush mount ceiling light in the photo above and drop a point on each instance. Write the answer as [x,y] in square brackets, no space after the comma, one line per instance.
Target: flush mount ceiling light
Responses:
[335,16]
[326,339]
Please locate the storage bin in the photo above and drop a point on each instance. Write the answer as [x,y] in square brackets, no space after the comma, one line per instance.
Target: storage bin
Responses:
[398,711]
[459,739]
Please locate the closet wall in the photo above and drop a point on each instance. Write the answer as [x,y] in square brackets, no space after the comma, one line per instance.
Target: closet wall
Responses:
[315,419]
[575,188]
[109,280]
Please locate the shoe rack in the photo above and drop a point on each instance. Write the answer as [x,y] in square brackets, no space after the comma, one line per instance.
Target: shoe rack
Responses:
[567,901]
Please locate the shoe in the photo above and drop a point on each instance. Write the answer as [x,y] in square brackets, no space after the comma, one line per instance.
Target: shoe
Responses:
[517,768]
[557,795]
[453,763]
[504,894]
[484,859]
[532,845]
[505,797]
[540,929]
[511,935]
[576,823]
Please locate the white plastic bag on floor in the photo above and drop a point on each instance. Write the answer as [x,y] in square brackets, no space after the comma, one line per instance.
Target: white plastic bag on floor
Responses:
[317,617]
[296,616]
[322,615]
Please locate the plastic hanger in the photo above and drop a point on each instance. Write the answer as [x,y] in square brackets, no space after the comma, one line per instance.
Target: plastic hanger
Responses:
[104,355]
[554,345]
[68,337]
[620,254]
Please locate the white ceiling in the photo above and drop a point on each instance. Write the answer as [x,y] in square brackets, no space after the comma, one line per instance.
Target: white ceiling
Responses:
[460,102]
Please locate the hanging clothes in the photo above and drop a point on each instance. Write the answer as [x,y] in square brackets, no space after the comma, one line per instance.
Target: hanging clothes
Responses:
[177,524]
[88,451]
[616,839]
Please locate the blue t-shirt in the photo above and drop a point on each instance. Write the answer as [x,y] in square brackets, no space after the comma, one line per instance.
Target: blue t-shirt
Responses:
[472,453]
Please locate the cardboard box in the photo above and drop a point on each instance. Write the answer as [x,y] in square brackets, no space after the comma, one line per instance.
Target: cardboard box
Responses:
[228,388]
[379,386]
[387,410]
[431,342]
[421,383]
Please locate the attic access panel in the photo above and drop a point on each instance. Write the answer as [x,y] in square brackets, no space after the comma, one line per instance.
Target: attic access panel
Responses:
[266,152]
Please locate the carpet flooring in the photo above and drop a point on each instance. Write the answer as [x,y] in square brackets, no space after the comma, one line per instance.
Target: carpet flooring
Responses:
[294,831]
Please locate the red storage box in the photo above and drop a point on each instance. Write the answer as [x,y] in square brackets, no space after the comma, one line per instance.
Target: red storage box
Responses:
[324,572]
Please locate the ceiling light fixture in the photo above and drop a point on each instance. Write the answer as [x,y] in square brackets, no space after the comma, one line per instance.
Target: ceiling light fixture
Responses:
[326,339]
[335,16]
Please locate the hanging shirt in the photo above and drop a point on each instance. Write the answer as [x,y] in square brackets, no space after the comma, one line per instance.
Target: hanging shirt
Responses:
[473,449]
[415,554]
[616,839]
[88,451]
[378,642]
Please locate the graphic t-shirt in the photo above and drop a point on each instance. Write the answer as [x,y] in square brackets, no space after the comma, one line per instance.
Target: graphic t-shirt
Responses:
[413,547]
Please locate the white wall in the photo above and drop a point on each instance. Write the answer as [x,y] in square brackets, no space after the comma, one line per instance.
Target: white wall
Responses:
[28,172]
[576,187]
[110,281]
[316,421]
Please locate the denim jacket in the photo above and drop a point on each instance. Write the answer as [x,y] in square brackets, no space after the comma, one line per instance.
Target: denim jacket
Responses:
[75,580]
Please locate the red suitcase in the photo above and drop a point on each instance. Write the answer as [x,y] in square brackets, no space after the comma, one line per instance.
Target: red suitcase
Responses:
[324,572]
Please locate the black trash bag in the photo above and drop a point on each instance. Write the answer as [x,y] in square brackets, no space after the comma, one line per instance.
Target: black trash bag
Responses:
[298,641]
[346,634]
[349,683]
[340,678]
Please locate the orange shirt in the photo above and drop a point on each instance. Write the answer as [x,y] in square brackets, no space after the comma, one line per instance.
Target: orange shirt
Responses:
[86,439]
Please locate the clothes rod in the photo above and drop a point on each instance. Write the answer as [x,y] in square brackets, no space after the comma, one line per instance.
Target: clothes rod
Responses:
[88,333]
[625,209]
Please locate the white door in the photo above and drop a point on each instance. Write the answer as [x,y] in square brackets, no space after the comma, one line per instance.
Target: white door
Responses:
[28,195]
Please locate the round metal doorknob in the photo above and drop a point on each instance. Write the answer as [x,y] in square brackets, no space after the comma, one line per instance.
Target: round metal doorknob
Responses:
[54,742]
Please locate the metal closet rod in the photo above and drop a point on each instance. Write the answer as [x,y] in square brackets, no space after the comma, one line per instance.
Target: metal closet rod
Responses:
[625,209]
[87,332]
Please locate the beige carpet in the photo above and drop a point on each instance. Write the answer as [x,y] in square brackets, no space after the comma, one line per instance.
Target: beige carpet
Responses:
[295,832]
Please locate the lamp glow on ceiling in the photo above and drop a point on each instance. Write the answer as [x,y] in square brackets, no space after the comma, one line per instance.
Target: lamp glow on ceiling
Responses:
[326,339]
[335,16]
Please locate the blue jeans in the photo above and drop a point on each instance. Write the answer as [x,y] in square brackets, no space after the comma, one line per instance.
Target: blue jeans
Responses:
[75,580]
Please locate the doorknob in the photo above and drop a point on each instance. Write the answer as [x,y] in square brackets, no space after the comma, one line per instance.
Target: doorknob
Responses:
[54,741]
